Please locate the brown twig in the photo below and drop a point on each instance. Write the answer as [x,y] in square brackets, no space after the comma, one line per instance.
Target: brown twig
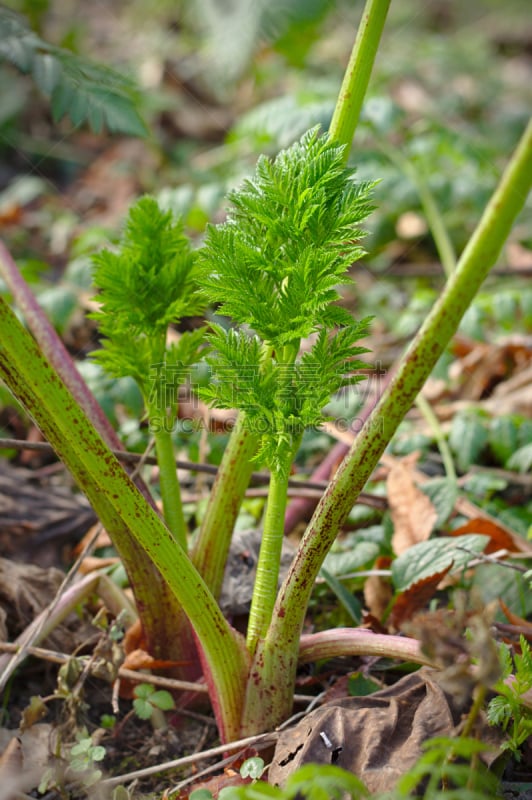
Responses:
[261,478]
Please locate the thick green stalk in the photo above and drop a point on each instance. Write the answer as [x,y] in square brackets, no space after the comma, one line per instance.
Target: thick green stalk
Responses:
[265,586]
[275,660]
[358,72]
[210,549]
[124,511]
[160,613]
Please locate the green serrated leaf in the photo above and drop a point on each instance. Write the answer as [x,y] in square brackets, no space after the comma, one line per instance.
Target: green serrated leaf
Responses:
[443,494]
[119,113]
[288,240]
[467,439]
[427,558]
[86,91]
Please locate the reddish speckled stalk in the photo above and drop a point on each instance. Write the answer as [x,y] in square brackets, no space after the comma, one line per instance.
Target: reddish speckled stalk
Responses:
[273,670]
[358,642]
[160,612]
[137,531]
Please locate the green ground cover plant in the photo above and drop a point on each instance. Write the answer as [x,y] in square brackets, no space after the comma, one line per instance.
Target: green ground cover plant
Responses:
[273,267]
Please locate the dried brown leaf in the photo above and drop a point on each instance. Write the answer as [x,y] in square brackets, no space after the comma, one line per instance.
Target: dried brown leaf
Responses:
[412,512]
[500,538]
[377,737]
[377,590]
[415,598]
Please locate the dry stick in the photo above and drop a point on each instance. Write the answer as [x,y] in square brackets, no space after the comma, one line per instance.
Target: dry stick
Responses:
[260,739]
[127,674]
[209,469]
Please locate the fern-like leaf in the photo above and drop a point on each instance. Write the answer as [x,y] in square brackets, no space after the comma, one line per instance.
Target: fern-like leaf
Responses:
[86,91]
[151,281]
[275,266]
[290,235]
[147,284]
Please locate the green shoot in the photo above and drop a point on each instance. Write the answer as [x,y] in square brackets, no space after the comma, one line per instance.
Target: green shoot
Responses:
[292,232]
[144,287]
[83,758]
[275,267]
[506,709]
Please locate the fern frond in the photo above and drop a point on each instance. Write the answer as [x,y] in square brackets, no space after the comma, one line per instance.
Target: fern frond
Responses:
[86,91]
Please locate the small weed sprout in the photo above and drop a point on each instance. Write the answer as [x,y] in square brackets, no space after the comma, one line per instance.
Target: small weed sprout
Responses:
[149,701]
[506,709]
[84,756]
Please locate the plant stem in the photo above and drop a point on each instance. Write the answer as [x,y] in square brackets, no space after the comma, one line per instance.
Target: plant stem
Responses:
[56,353]
[210,549]
[359,641]
[136,529]
[168,482]
[439,232]
[280,647]
[445,451]
[357,75]
[265,586]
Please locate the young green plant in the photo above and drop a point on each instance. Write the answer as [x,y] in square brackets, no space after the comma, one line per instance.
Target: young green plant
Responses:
[274,267]
[251,683]
[149,283]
